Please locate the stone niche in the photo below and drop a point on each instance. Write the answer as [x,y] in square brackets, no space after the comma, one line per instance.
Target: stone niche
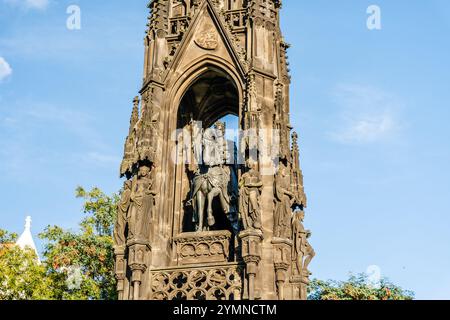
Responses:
[211,247]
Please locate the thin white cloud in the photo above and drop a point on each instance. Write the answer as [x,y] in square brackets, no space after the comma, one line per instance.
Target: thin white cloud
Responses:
[366,115]
[29,4]
[5,69]
[371,129]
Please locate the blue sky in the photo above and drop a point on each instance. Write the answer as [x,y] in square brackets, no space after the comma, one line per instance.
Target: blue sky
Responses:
[371,107]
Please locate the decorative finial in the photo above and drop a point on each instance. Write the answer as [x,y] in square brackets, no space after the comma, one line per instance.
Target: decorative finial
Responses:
[295,138]
[28,223]
[134,114]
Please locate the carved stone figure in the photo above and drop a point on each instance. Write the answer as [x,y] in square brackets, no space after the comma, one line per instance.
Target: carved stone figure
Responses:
[122,215]
[249,196]
[303,253]
[214,145]
[284,200]
[309,254]
[142,202]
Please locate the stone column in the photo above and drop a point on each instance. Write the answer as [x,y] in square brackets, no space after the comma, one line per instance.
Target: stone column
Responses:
[138,251]
[251,253]
[120,270]
[304,286]
[296,283]
[282,262]
[280,276]
[300,285]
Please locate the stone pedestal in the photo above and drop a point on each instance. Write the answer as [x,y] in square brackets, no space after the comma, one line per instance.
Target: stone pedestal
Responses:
[251,254]
[300,285]
[204,248]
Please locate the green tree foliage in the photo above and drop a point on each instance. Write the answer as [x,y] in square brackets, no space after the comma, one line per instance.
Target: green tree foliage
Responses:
[21,275]
[358,287]
[81,264]
[101,211]
[6,237]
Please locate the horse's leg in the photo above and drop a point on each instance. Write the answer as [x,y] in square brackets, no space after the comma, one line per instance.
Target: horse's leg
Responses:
[225,204]
[201,209]
[211,195]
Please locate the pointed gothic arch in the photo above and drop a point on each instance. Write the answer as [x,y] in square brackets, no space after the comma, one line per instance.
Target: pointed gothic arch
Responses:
[192,72]
[211,91]
[211,96]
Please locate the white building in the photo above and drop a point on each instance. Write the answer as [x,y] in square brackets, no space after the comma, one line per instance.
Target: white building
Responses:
[26,238]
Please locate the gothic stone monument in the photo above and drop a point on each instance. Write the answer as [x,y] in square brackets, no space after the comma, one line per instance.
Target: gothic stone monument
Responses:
[200,217]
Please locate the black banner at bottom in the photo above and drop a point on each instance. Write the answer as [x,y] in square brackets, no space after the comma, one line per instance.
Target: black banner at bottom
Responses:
[180,310]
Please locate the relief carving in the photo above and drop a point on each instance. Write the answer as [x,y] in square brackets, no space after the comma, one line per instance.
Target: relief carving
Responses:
[207,39]
[206,247]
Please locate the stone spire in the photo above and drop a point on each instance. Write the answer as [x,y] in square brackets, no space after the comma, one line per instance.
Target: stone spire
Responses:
[134,115]
[297,174]
[26,238]
[126,167]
